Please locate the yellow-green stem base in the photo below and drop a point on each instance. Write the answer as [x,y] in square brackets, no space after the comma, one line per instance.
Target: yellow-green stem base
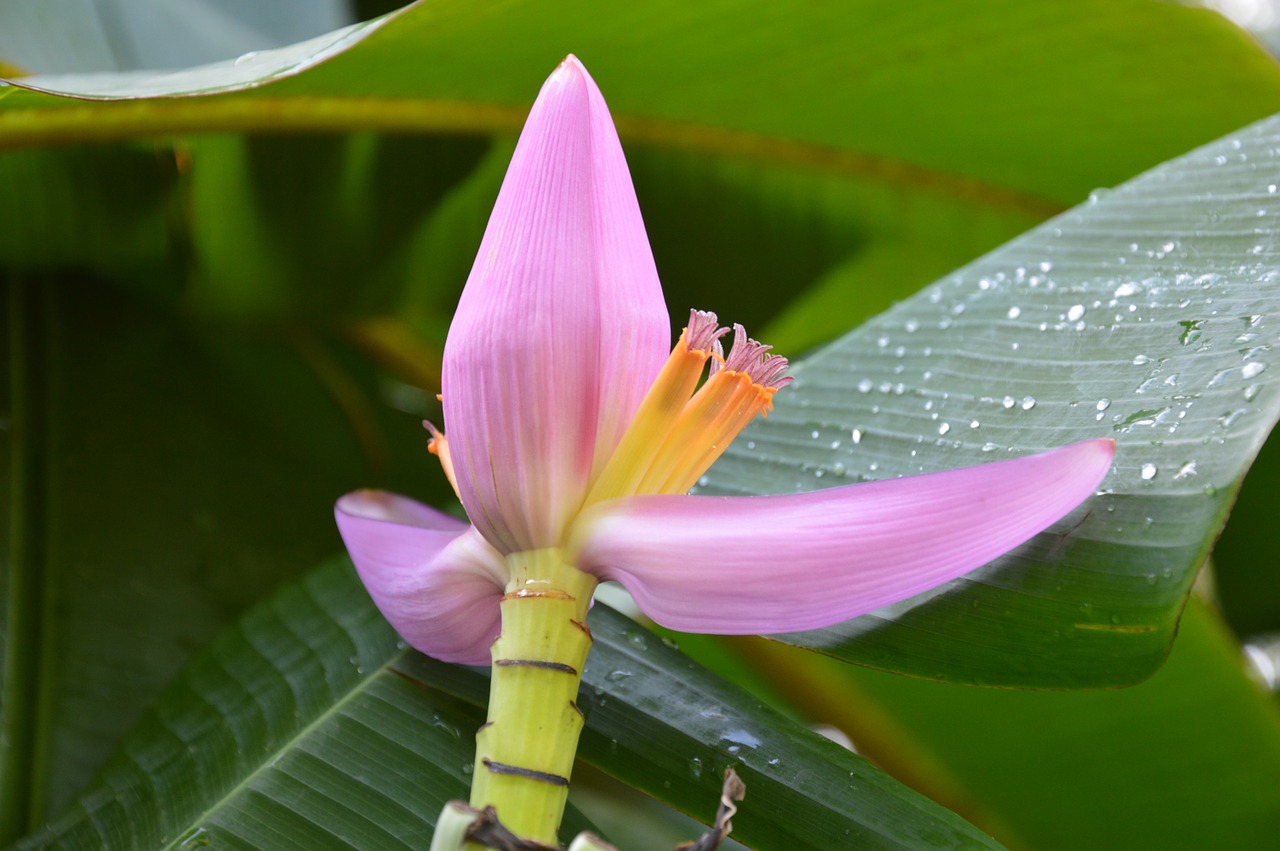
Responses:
[525,750]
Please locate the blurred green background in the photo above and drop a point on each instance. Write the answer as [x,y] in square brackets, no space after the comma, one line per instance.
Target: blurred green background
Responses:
[222,312]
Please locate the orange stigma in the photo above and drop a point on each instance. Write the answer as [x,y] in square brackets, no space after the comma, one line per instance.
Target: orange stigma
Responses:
[439,447]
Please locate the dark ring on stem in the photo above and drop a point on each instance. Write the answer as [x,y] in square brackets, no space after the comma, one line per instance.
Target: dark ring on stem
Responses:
[528,773]
[534,663]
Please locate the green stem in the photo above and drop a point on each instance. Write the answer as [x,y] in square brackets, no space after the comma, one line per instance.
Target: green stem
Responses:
[525,750]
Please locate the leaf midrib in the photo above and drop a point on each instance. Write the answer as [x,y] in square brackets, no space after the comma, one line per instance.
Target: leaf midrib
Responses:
[99,121]
[358,689]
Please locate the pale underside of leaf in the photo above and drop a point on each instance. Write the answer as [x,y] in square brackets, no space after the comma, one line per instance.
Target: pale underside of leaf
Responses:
[1148,314]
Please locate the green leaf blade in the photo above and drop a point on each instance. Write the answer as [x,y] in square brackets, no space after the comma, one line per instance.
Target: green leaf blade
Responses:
[1186,759]
[283,735]
[307,725]
[914,93]
[803,791]
[1148,315]
[662,724]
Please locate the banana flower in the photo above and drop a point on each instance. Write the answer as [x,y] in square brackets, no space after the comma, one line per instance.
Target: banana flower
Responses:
[573,436]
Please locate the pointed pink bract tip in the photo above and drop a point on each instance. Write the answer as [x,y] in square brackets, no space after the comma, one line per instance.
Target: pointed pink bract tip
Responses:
[1104,445]
[569,68]
[566,95]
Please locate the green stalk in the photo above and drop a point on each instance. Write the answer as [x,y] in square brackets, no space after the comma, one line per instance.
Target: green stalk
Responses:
[525,750]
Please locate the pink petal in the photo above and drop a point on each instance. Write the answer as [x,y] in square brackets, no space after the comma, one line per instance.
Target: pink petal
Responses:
[768,564]
[432,576]
[561,327]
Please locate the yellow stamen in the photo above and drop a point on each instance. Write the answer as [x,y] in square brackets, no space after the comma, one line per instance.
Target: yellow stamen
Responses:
[653,421]
[677,434]
[719,411]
